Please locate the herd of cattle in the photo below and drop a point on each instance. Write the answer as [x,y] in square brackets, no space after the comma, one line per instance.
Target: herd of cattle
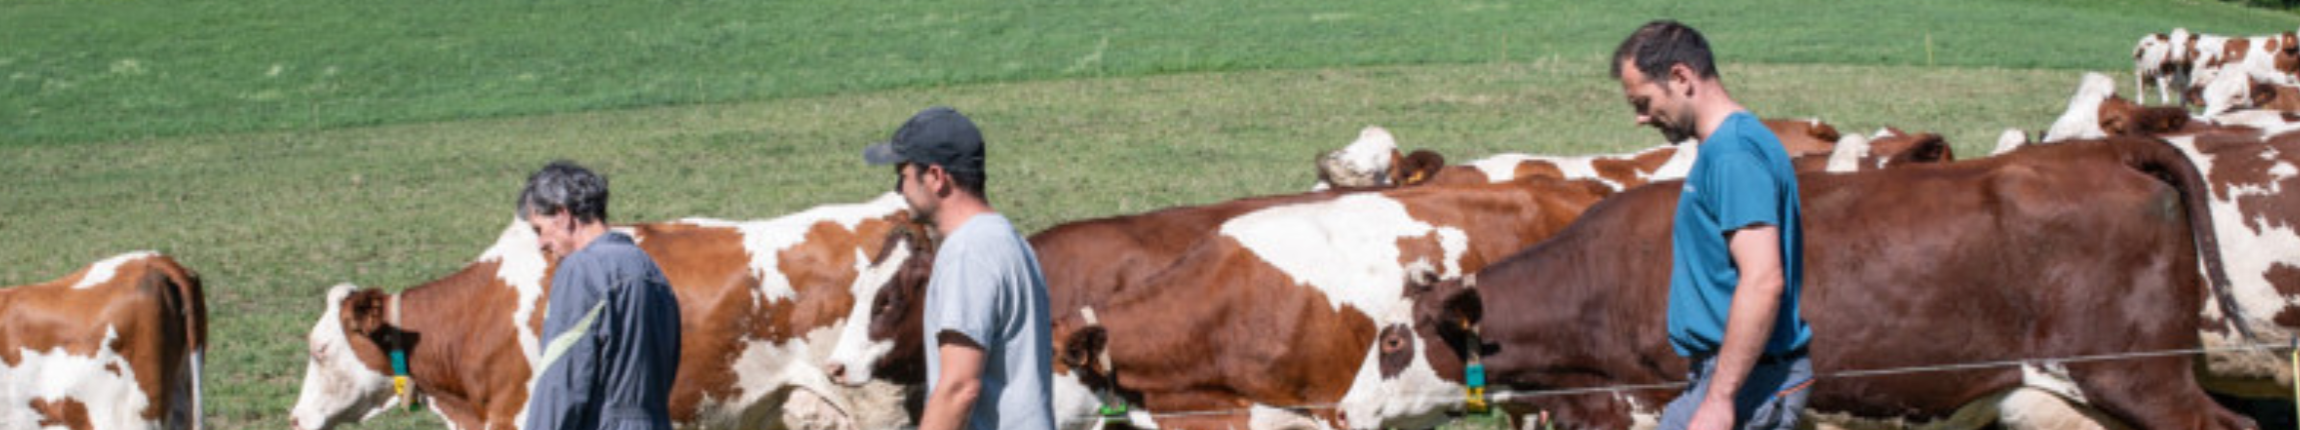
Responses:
[2122,228]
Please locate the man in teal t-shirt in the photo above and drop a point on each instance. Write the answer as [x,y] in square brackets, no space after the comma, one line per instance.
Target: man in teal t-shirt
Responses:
[1737,265]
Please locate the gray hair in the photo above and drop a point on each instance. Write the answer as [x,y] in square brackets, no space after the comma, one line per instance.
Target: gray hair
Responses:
[564,186]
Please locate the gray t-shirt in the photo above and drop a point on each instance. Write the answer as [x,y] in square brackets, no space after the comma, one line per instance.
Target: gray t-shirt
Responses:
[987,287]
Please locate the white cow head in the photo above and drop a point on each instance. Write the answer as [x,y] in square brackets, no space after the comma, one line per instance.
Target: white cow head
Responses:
[1365,163]
[883,337]
[346,376]
[1413,373]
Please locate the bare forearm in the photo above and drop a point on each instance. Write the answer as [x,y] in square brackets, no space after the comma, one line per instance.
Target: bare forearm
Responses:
[948,406]
[1756,303]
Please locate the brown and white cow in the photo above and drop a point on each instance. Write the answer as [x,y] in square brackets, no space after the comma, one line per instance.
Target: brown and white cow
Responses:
[760,304]
[2161,58]
[2250,158]
[1094,264]
[2272,58]
[116,345]
[2080,250]
[1272,309]
[1811,141]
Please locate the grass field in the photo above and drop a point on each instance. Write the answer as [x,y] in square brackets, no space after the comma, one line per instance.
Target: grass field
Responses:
[400,164]
[79,71]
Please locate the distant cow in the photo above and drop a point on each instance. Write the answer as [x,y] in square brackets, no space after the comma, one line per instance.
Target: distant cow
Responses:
[2065,251]
[2161,58]
[116,345]
[760,304]
[1810,141]
[2273,58]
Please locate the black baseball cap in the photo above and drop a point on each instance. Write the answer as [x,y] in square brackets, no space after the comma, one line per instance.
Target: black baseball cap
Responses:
[939,136]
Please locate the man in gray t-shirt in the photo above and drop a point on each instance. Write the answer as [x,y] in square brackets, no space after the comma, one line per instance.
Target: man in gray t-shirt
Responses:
[989,350]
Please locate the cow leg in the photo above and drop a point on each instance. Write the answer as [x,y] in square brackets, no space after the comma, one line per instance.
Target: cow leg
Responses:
[2153,393]
[2033,409]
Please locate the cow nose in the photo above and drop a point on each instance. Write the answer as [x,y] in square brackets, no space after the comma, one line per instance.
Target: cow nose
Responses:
[295,423]
[838,372]
[1342,419]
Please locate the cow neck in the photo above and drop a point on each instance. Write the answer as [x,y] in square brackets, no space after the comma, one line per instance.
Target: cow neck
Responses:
[426,343]
[401,385]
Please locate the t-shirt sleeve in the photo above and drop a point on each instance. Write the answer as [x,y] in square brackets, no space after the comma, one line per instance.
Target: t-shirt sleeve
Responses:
[970,300]
[1747,193]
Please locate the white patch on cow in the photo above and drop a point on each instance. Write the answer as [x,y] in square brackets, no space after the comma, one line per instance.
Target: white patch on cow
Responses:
[104,382]
[519,263]
[1848,154]
[2052,378]
[854,350]
[1641,416]
[2012,139]
[1503,167]
[766,240]
[1261,416]
[1345,247]
[2249,255]
[2271,123]
[2082,119]
[761,369]
[335,382]
[2226,93]
[1680,161]
[102,271]
[1414,398]
[2038,409]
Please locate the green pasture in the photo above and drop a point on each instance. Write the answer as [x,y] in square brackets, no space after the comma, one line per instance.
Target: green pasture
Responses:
[282,147]
[76,70]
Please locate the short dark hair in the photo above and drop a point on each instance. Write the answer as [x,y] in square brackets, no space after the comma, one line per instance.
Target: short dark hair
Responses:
[564,186]
[1663,43]
[970,180]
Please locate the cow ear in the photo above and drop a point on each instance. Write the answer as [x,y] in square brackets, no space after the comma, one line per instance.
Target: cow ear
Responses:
[363,312]
[1420,167]
[1083,346]
[1462,309]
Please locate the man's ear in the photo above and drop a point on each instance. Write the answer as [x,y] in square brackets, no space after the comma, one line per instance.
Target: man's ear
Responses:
[1683,75]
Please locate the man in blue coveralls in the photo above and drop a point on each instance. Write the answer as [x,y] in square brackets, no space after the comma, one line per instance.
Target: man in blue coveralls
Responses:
[611,332]
[1737,247]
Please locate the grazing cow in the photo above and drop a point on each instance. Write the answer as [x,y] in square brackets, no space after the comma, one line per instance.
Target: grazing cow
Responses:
[116,345]
[760,303]
[2027,259]
[2161,58]
[2272,58]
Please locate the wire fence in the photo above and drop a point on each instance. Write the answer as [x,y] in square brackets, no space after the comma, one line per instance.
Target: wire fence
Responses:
[1503,395]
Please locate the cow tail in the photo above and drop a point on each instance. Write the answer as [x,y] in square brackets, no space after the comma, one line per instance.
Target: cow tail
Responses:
[2160,159]
[191,301]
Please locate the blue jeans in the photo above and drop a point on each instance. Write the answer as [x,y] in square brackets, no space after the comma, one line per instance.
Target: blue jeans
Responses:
[1770,398]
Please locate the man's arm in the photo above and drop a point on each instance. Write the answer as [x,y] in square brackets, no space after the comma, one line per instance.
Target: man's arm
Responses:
[1756,301]
[959,386]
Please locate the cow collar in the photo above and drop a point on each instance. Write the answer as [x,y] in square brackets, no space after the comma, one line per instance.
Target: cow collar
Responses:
[1473,373]
[401,385]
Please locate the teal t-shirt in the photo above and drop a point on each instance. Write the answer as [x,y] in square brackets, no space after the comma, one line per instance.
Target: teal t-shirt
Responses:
[1741,178]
